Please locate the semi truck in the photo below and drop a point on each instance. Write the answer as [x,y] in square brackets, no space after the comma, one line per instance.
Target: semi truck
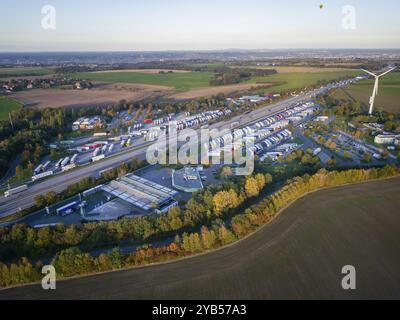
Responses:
[38,169]
[98,158]
[67,209]
[17,190]
[46,165]
[65,162]
[73,159]
[42,175]
[96,152]
[58,164]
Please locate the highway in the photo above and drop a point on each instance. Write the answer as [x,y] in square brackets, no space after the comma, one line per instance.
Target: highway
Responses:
[59,183]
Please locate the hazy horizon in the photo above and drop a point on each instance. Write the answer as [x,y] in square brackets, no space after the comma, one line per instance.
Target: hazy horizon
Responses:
[178,25]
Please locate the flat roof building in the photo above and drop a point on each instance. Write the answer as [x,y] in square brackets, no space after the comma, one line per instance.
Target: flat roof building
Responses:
[387,139]
[142,193]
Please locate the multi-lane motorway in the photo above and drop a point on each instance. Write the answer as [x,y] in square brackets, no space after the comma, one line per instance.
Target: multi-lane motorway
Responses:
[13,204]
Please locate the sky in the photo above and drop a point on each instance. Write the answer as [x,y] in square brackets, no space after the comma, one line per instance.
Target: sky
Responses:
[147,25]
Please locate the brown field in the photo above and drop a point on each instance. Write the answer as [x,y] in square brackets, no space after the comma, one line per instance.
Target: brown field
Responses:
[300,255]
[146,71]
[105,93]
[101,94]
[206,92]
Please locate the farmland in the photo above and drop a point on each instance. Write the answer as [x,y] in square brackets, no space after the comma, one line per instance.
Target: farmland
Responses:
[290,81]
[101,94]
[213,90]
[302,69]
[24,71]
[389,93]
[7,105]
[300,255]
[176,80]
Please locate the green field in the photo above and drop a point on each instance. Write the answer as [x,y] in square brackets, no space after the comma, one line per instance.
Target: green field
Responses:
[7,105]
[291,81]
[389,93]
[300,255]
[24,71]
[179,81]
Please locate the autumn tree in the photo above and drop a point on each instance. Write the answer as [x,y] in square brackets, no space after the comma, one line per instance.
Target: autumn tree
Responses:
[225,200]
[252,188]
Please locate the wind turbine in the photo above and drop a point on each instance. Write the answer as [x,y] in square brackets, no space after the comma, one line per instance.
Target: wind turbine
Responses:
[376,87]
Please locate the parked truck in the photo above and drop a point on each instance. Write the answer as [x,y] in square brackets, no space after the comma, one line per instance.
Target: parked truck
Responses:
[73,159]
[65,162]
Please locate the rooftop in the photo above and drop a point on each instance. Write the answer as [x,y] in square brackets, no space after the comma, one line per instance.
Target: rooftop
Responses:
[140,192]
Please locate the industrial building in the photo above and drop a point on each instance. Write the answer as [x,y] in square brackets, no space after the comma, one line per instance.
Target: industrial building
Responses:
[142,194]
[88,123]
[387,139]
[187,180]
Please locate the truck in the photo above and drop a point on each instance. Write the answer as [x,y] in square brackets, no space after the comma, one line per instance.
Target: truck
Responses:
[16,190]
[65,162]
[38,169]
[67,209]
[96,152]
[100,134]
[98,158]
[67,143]
[46,165]
[90,146]
[58,164]
[92,191]
[69,167]
[73,159]
[42,175]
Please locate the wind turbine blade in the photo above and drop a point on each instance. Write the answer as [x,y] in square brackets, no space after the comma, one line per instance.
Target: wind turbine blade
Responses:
[366,71]
[377,86]
[385,73]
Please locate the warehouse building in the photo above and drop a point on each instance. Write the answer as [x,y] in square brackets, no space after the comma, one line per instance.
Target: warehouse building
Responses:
[142,194]
[387,139]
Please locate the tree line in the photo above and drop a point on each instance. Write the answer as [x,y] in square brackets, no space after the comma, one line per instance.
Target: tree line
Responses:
[214,202]
[72,261]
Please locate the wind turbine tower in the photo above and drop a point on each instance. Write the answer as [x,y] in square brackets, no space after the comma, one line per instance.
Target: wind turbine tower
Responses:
[376,87]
